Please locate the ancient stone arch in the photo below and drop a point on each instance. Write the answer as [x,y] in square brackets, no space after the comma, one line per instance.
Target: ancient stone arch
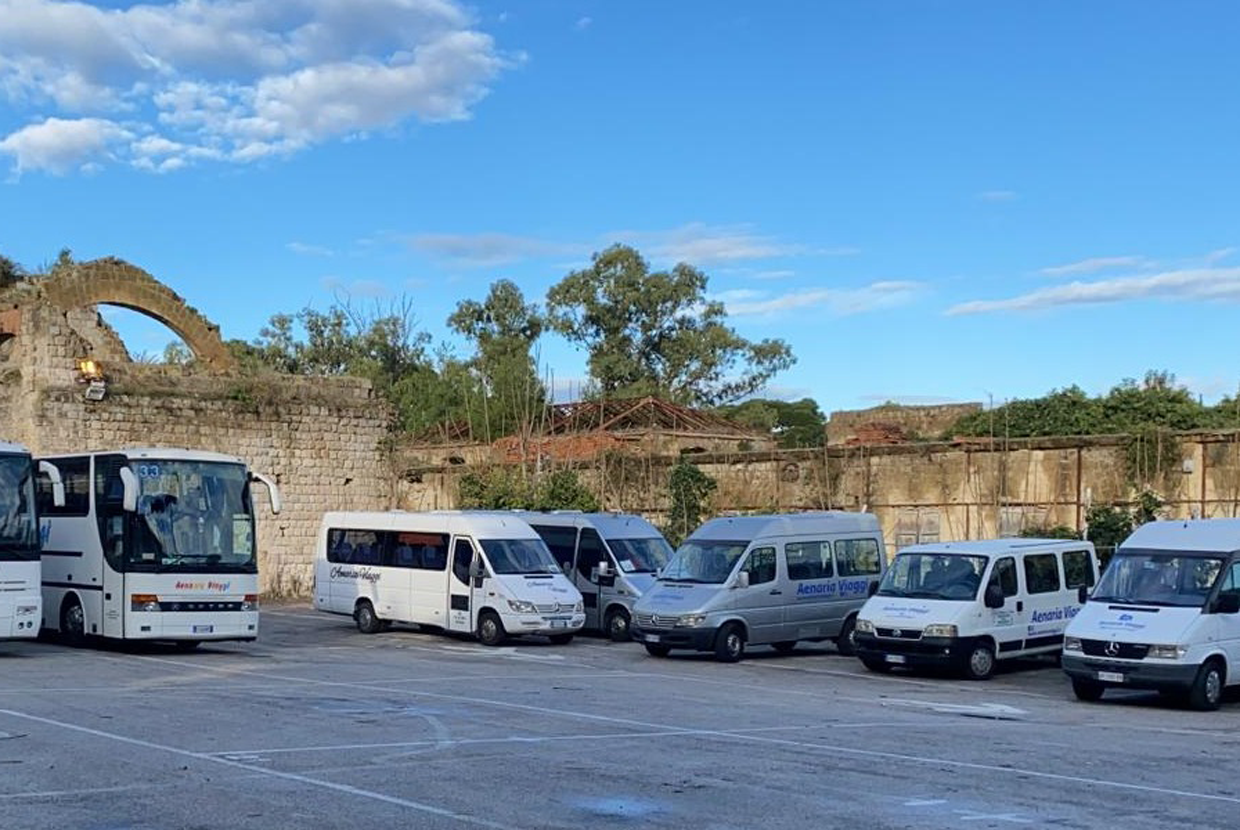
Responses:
[115,282]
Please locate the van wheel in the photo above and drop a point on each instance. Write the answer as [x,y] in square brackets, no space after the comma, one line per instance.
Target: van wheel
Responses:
[490,629]
[980,664]
[1089,691]
[561,639]
[617,625]
[367,620]
[847,641]
[1207,690]
[785,646]
[876,666]
[73,623]
[657,650]
[730,643]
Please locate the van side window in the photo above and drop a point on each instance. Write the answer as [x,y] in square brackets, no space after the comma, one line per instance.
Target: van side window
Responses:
[589,551]
[355,547]
[1004,575]
[809,560]
[1041,573]
[462,558]
[1231,581]
[75,472]
[561,541]
[857,557]
[420,551]
[1078,570]
[761,565]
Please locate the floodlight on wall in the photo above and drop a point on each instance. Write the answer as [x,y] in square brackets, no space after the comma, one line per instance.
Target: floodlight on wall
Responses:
[89,370]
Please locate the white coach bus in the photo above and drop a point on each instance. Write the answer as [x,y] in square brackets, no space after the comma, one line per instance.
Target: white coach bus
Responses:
[152,544]
[484,574]
[21,601]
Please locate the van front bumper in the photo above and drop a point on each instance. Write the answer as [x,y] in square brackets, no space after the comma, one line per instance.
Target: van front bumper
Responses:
[1136,674]
[927,652]
[693,639]
[546,625]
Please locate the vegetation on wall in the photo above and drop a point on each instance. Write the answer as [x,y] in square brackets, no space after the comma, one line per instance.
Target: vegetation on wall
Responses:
[512,488]
[689,491]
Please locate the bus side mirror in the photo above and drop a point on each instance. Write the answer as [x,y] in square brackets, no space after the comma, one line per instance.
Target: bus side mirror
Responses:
[994,596]
[476,570]
[604,569]
[1228,603]
[1082,595]
[873,589]
[273,491]
[58,485]
[742,579]
[129,481]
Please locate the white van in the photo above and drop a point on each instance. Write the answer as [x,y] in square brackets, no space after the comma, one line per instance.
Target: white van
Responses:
[1165,615]
[931,609]
[750,580]
[611,557]
[482,574]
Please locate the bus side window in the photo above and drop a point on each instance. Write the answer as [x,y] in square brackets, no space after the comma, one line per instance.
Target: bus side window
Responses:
[462,558]
[589,553]
[1004,575]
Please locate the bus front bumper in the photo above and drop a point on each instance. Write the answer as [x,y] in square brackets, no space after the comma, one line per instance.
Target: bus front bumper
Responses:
[21,617]
[1130,674]
[189,625]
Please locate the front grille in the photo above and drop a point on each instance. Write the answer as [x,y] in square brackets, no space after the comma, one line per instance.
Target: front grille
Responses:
[554,608]
[200,606]
[1121,651]
[899,633]
[655,621]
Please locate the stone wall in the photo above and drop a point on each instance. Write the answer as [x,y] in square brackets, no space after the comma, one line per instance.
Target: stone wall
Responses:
[915,421]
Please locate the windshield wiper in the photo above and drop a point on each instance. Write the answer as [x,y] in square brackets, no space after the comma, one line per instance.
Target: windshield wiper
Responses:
[683,579]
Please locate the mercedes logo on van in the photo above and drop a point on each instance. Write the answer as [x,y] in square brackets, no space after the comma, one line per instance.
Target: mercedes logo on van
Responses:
[1112,649]
[656,619]
[895,632]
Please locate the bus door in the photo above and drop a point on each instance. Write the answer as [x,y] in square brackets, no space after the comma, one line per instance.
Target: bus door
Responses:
[590,552]
[464,589]
[114,537]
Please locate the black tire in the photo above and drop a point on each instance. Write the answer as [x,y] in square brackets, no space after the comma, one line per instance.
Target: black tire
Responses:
[73,623]
[980,662]
[1089,691]
[876,665]
[616,625]
[1206,693]
[367,620]
[846,642]
[655,650]
[490,629]
[730,643]
[186,645]
[785,646]
[561,639]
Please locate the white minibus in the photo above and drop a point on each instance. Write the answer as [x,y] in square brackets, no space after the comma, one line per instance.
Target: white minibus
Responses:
[965,605]
[1165,616]
[611,557]
[751,580]
[151,544]
[485,574]
[21,598]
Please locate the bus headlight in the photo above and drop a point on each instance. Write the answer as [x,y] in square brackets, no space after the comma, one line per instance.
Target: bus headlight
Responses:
[250,603]
[26,610]
[520,606]
[580,607]
[690,620]
[940,630]
[1168,652]
[1072,644]
[864,627]
[143,602]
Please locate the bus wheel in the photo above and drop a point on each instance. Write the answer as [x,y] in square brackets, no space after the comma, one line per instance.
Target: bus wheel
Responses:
[980,664]
[73,623]
[617,625]
[1206,693]
[846,642]
[1089,691]
[367,620]
[490,629]
[657,651]
[730,643]
[186,645]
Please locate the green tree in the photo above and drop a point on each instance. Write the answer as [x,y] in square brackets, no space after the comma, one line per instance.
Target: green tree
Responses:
[793,424]
[689,491]
[511,488]
[504,329]
[11,272]
[656,333]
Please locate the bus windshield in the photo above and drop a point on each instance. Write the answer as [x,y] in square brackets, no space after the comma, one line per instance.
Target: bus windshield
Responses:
[640,556]
[193,516]
[19,533]
[705,561]
[519,556]
[950,576]
[1150,578]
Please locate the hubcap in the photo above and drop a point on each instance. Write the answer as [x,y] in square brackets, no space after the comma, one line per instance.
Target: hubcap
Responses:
[734,644]
[1214,686]
[75,619]
[488,629]
[981,661]
[619,624]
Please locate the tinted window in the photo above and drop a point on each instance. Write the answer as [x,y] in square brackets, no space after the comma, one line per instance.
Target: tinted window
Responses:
[1004,575]
[420,551]
[589,552]
[462,558]
[1078,570]
[857,557]
[561,541]
[355,547]
[1041,573]
[761,565]
[809,560]
[76,475]
[1231,580]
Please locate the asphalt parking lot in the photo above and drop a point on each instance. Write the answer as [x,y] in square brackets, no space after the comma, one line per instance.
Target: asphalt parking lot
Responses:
[317,726]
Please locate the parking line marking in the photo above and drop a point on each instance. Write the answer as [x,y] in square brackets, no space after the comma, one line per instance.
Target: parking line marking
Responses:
[288,776]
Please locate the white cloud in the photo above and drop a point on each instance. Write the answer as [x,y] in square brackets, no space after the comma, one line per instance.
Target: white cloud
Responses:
[245,79]
[306,249]
[583,23]
[1096,264]
[1186,284]
[356,288]
[482,250]
[778,274]
[997,195]
[62,145]
[1214,257]
[702,244]
[879,295]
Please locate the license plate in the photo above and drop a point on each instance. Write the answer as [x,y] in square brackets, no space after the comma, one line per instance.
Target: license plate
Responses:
[1111,677]
[894,658]
[203,629]
[559,623]
[652,638]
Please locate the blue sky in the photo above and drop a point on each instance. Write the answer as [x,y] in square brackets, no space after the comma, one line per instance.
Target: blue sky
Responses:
[929,201]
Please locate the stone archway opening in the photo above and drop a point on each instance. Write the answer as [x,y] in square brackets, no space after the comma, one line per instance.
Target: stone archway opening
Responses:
[146,340]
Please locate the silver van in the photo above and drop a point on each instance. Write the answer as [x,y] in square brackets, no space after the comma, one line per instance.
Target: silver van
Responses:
[610,557]
[763,580]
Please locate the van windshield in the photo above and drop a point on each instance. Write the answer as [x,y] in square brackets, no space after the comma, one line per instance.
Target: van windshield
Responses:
[1151,578]
[705,561]
[640,556]
[951,576]
[519,556]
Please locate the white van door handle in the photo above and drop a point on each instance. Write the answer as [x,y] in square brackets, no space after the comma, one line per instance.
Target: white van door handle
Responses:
[776,591]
